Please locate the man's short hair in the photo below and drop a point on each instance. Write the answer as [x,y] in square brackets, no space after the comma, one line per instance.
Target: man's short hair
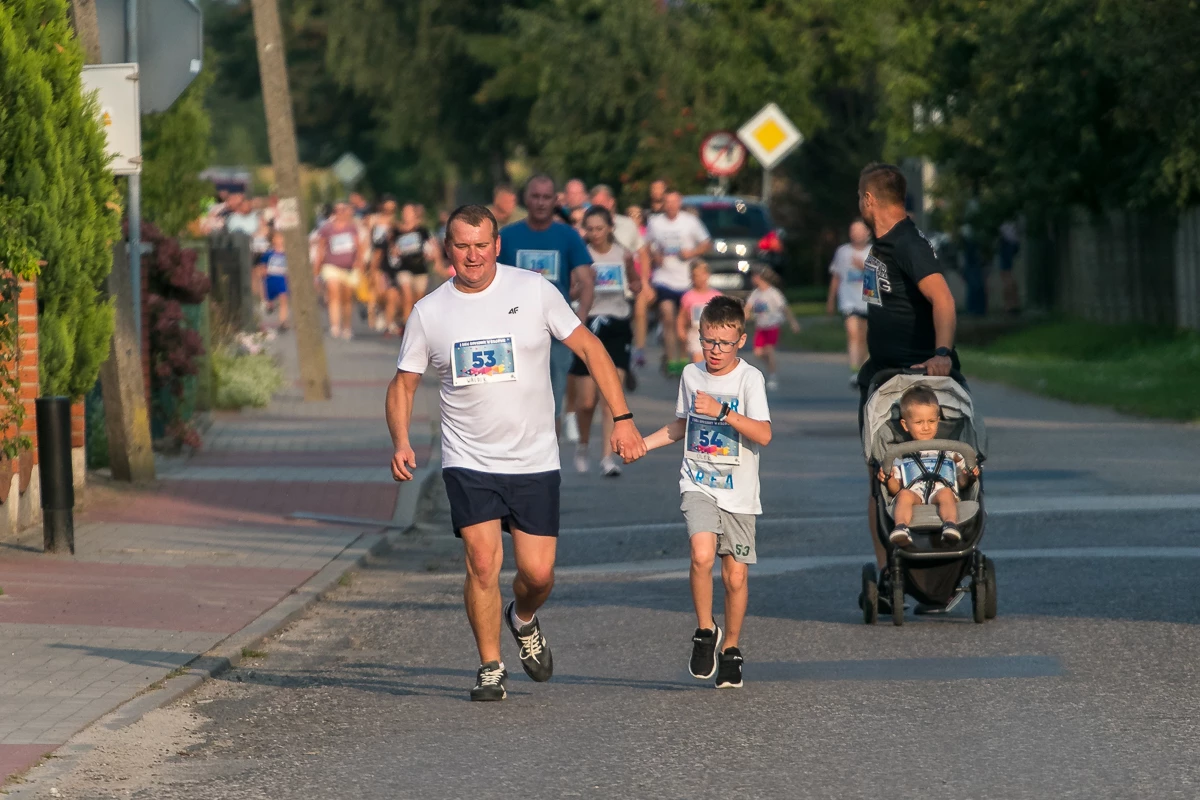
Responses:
[724,312]
[540,176]
[917,396]
[885,181]
[473,215]
[602,188]
[503,188]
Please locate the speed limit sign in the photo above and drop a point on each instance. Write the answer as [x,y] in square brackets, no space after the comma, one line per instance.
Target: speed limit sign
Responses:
[722,153]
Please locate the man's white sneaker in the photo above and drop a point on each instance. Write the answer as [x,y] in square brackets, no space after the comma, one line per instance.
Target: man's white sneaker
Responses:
[610,467]
[772,384]
[570,427]
[581,458]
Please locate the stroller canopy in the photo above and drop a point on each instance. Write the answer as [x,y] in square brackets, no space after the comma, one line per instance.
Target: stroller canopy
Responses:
[881,426]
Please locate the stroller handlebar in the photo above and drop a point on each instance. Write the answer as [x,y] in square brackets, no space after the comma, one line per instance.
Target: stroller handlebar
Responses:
[970,457]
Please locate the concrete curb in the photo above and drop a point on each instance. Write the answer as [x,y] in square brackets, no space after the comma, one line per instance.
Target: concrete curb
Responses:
[38,780]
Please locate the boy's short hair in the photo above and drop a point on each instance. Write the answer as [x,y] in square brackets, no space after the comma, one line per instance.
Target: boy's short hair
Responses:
[699,263]
[724,312]
[917,396]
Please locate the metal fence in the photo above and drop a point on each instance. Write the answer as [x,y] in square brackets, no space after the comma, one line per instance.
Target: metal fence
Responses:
[230,262]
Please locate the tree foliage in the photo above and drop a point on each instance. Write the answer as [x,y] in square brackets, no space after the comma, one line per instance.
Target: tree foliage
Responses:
[175,146]
[52,157]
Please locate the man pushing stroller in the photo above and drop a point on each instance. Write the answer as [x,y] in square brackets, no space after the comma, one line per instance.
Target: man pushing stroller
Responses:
[928,476]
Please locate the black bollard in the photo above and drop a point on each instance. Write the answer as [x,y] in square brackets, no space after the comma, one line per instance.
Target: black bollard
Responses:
[54,467]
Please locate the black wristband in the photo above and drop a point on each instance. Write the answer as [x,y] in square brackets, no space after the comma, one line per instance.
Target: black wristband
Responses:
[623,417]
[724,412]
[944,351]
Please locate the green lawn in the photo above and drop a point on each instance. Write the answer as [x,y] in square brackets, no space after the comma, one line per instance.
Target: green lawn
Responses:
[1148,371]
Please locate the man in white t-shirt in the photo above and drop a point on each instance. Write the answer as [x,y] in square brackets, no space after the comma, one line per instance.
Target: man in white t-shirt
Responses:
[675,239]
[488,334]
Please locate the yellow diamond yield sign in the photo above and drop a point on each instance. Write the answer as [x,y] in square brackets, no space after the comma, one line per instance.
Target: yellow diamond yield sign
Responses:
[770,136]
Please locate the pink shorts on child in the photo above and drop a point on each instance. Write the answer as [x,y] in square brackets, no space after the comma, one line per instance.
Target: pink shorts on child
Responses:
[766,337]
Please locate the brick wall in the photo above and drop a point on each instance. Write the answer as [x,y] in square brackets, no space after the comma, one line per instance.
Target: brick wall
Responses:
[20,489]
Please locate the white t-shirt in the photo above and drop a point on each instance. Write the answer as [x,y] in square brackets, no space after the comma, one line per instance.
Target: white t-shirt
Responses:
[492,352]
[610,298]
[669,237]
[238,222]
[626,232]
[848,266]
[716,460]
[768,306]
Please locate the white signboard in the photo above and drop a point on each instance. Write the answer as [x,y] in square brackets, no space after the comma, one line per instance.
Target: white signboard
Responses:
[770,136]
[116,88]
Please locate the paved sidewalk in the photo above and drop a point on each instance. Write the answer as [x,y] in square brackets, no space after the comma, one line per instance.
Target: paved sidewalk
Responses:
[162,574]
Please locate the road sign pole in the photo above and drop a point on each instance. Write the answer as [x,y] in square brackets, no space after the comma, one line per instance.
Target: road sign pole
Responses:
[766,188]
[134,206]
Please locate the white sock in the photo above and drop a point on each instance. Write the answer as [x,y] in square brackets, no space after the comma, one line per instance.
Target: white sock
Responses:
[516,620]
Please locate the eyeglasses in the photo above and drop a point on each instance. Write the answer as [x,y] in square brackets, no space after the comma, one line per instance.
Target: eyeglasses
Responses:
[718,345]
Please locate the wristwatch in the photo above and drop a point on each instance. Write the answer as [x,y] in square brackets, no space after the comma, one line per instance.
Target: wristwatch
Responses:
[724,412]
[943,351]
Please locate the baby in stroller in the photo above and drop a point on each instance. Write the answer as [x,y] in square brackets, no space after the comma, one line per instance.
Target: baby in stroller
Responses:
[928,477]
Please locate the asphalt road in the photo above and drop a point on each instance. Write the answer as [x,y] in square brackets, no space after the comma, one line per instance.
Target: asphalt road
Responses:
[1084,686]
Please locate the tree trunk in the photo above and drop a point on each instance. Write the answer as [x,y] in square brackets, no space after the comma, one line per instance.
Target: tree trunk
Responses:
[281,133]
[87,29]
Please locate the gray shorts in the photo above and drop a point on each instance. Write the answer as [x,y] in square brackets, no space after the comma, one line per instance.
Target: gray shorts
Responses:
[735,532]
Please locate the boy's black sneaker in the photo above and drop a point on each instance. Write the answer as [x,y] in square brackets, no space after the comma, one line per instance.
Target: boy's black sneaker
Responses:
[729,669]
[705,643]
[535,651]
[489,682]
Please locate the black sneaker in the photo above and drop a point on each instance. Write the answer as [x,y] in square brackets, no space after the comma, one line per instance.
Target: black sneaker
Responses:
[705,643]
[729,669]
[631,381]
[535,651]
[489,682]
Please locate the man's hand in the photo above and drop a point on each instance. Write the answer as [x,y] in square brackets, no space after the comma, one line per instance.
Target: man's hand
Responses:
[706,405]
[627,442]
[937,367]
[403,464]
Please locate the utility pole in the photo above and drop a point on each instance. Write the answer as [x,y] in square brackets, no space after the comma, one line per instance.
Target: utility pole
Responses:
[281,133]
[125,416]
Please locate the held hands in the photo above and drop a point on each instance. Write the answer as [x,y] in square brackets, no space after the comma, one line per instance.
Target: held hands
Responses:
[937,367]
[403,464]
[706,405]
[627,442]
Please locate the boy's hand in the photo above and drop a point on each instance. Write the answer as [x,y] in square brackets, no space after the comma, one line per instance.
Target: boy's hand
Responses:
[705,405]
[882,477]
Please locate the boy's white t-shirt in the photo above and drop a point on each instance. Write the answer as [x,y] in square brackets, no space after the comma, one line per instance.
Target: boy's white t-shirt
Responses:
[768,306]
[492,352]
[716,459]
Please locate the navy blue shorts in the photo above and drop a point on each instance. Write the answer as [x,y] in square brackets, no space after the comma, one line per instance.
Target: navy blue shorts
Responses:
[527,503]
[665,295]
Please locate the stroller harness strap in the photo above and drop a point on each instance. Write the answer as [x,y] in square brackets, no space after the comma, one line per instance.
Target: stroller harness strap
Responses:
[929,478]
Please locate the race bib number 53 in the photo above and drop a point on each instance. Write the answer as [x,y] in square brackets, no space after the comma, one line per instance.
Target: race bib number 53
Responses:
[484,361]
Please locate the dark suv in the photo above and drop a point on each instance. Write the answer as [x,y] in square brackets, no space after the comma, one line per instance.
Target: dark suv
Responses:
[743,238]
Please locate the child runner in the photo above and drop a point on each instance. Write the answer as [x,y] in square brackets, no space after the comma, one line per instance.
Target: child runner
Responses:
[770,310]
[723,418]
[276,282]
[930,476]
[687,323]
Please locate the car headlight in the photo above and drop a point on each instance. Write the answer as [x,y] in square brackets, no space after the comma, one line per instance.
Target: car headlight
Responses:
[722,247]
[740,249]
[743,266]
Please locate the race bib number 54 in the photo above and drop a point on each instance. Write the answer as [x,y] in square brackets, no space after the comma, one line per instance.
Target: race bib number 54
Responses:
[484,361]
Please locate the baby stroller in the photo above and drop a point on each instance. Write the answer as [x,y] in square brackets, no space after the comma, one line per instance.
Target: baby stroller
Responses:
[934,575]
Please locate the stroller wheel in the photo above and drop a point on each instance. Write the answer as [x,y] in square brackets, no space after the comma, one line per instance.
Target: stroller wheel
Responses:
[989,581]
[869,599]
[978,600]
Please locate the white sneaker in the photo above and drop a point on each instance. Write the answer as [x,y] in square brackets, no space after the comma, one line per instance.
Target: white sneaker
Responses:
[380,325]
[610,466]
[854,382]
[570,427]
[772,384]
[581,458]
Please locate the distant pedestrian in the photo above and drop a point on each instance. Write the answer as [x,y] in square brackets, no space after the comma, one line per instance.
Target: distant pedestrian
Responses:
[846,293]
[1008,246]
[488,334]
[337,263]
[769,309]
[276,285]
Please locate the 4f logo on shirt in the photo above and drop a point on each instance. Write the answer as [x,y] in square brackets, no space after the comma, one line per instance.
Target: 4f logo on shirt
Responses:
[513,310]
[875,281]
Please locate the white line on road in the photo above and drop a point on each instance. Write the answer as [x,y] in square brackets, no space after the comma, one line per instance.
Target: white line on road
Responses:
[996,507]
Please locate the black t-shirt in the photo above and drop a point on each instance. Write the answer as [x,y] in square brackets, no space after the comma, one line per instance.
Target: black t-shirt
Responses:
[900,331]
[406,251]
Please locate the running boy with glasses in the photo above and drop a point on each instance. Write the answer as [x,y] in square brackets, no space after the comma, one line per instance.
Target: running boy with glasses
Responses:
[722,416]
